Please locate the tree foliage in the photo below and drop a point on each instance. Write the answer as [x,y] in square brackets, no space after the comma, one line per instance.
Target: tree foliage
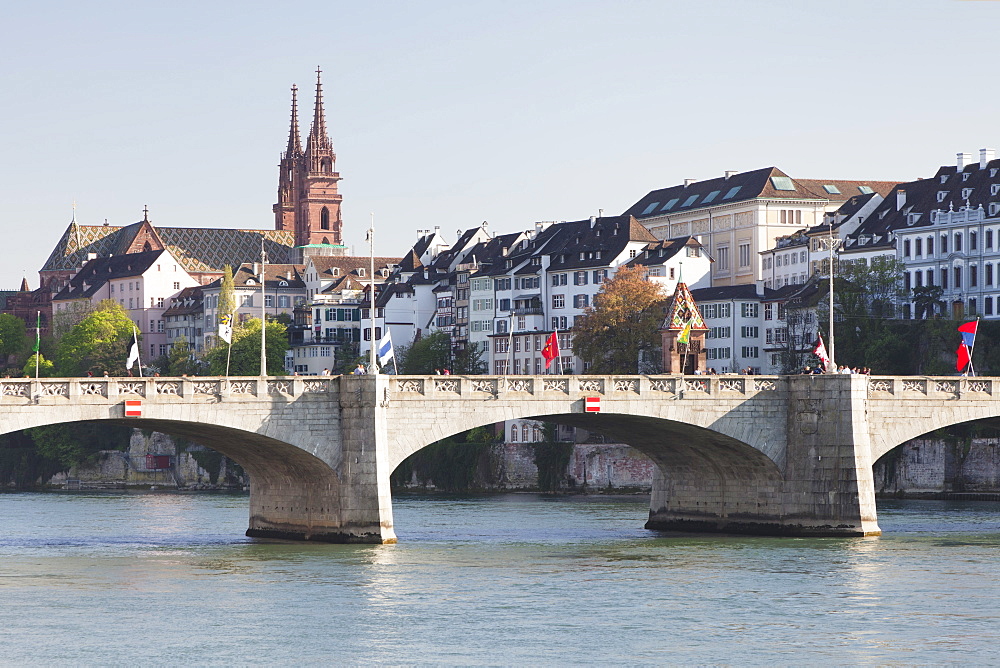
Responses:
[76,443]
[623,322]
[13,337]
[461,463]
[427,354]
[46,369]
[245,358]
[181,359]
[227,292]
[98,343]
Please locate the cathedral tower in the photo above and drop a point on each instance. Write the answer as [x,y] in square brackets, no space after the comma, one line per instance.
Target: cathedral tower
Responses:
[308,201]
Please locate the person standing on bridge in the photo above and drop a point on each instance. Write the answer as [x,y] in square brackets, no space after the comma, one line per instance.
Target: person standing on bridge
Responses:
[360,371]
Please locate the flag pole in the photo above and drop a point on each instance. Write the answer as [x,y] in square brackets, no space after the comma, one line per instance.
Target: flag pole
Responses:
[263,312]
[972,368]
[371,287]
[38,341]
[138,351]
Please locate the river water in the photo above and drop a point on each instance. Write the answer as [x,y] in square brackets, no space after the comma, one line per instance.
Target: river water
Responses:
[166,578]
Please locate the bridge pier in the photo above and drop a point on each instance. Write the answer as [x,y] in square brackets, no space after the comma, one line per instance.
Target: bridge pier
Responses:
[824,488]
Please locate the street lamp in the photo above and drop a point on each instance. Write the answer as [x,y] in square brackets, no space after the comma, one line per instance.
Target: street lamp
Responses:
[831,243]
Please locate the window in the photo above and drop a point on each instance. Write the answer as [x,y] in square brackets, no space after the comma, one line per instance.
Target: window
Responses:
[744,255]
[284,301]
[768,311]
[918,247]
[269,301]
[719,333]
[750,352]
[177,285]
[944,243]
[711,196]
[600,275]
[958,277]
[712,311]
[732,192]
[749,332]
[669,205]
[987,305]
[501,327]
[581,301]
[973,275]
[865,190]
[722,257]
[972,306]
[832,189]
[782,183]
[749,309]
[972,240]
[989,239]
[649,209]
[958,242]
[579,278]
[906,248]
[944,278]
[690,200]
[504,304]
[559,322]
[718,353]
[246,300]
[942,194]
[503,284]
[988,274]
[558,301]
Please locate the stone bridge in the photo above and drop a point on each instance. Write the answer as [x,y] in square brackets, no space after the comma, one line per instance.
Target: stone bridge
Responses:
[786,455]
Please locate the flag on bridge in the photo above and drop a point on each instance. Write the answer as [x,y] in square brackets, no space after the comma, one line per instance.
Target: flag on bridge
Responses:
[226,328]
[819,350]
[551,349]
[685,336]
[964,352]
[133,351]
[385,352]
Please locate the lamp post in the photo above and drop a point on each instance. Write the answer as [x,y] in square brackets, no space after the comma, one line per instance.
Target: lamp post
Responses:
[831,243]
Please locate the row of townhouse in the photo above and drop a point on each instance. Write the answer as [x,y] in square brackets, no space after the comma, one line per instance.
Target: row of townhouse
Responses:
[945,230]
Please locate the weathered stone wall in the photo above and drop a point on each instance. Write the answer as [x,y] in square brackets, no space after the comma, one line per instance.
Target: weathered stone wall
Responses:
[935,466]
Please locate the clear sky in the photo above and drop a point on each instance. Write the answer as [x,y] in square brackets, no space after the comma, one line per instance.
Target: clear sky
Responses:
[451,113]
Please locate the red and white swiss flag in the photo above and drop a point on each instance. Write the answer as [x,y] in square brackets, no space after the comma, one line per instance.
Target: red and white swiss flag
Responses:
[592,405]
[133,408]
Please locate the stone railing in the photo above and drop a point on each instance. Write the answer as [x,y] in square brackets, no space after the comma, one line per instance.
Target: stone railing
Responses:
[918,387]
[612,387]
[198,388]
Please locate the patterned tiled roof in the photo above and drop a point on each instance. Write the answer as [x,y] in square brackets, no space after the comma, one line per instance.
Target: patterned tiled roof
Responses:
[682,310]
[205,250]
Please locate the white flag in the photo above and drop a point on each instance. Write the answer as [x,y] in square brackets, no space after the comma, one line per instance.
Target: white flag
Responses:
[226,328]
[385,348]
[133,352]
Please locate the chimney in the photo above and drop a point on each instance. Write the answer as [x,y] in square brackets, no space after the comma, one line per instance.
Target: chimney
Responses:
[437,228]
[731,172]
[963,160]
[688,182]
[593,220]
[986,156]
[901,198]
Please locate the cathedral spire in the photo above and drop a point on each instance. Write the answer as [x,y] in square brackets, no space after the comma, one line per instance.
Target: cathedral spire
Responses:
[318,139]
[294,143]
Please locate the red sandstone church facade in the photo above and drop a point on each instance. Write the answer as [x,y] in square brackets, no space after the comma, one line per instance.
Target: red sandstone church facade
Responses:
[307,222]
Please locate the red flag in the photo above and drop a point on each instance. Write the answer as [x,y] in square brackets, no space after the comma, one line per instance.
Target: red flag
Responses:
[551,349]
[968,331]
[819,350]
[963,357]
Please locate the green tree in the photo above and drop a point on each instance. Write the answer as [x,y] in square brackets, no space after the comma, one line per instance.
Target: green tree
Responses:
[622,324]
[227,292]
[45,367]
[76,443]
[181,360]
[427,354]
[470,360]
[98,343]
[927,301]
[461,463]
[13,338]
[245,359]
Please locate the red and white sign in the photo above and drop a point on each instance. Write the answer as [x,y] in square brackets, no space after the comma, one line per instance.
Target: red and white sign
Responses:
[592,405]
[133,408]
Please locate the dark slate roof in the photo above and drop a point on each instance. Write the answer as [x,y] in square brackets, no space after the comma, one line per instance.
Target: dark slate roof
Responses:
[747,291]
[943,192]
[188,301]
[600,241]
[658,252]
[758,183]
[96,273]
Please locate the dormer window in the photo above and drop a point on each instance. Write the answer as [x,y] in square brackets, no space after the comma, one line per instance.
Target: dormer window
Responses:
[944,178]
[336,271]
[995,188]
[965,177]
[966,192]
[282,284]
[941,195]
[361,271]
